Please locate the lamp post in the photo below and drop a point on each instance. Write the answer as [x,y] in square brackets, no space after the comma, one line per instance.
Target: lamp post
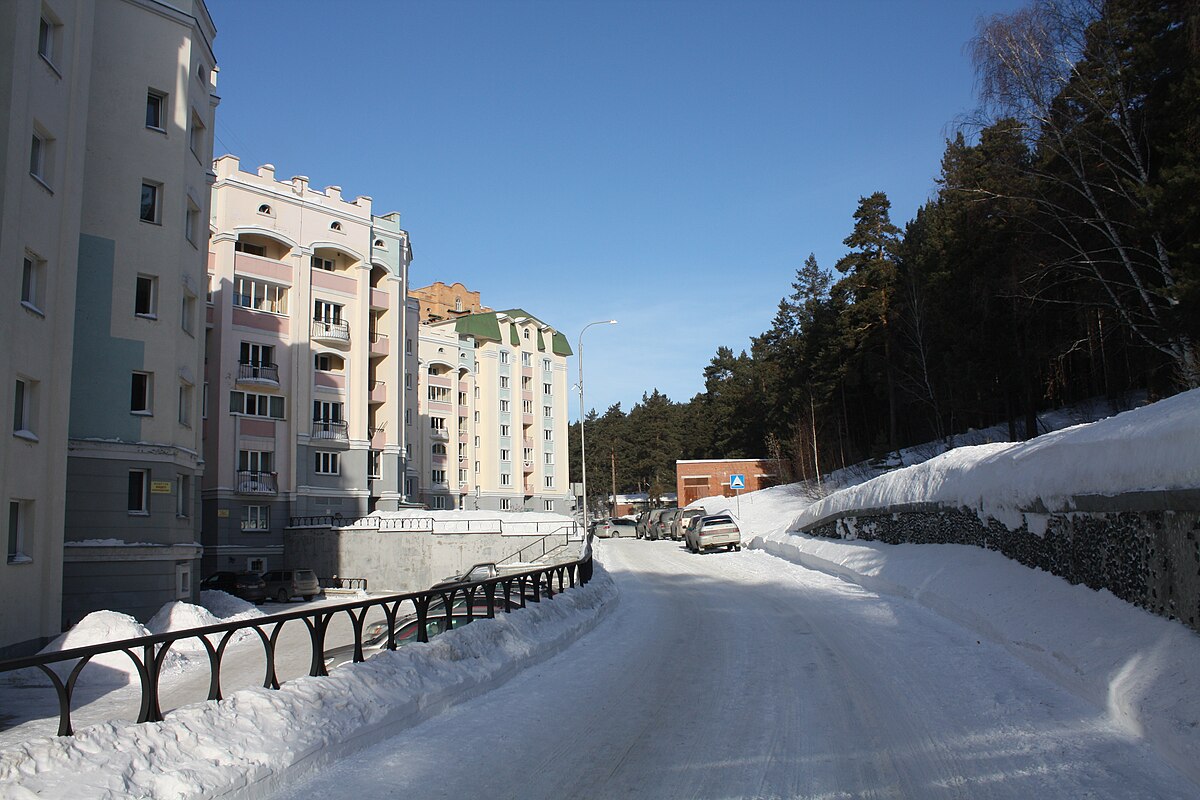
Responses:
[582,440]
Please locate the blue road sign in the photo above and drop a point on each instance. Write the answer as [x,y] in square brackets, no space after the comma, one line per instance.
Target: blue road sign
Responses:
[737,481]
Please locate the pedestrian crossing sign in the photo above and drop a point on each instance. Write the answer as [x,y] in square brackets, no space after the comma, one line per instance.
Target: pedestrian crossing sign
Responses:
[737,481]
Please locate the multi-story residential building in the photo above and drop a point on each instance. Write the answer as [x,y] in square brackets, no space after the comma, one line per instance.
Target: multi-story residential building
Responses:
[493,413]
[105,193]
[309,362]
[441,302]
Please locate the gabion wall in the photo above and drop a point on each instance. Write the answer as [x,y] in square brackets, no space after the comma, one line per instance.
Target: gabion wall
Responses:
[1149,558]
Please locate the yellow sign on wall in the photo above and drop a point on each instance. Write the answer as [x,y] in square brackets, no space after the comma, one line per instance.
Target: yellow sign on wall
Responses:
[160,487]
[222,512]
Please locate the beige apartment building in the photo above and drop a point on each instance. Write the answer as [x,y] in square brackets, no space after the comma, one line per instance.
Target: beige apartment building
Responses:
[107,149]
[310,358]
[492,428]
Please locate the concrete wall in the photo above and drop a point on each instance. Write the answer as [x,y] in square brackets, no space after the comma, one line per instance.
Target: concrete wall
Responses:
[395,561]
[1149,556]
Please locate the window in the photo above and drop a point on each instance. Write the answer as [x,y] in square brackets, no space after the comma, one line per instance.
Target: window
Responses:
[439,502]
[439,394]
[256,518]
[458,304]
[141,392]
[265,209]
[20,514]
[187,314]
[503,381]
[257,294]
[408,416]
[476,466]
[547,505]
[505,479]
[548,435]
[476,392]
[504,430]
[145,297]
[185,405]
[382,245]
[156,109]
[527,406]
[438,475]
[23,406]
[408,380]
[196,139]
[503,356]
[374,465]
[326,463]
[191,223]
[549,481]
[183,495]
[327,312]
[256,405]
[139,486]
[525,357]
[255,461]
[527,455]
[151,208]
[408,346]
[546,388]
[526,383]
[504,406]
[326,411]
[438,449]
[437,423]
[322,263]
[506,504]
[546,364]
[548,459]
[547,412]
[476,417]
[49,38]
[256,564]
[204,401]
[260,355]
[32,271]
[323,362]
[40,150]
[505,455]
[335,226]
[249,248]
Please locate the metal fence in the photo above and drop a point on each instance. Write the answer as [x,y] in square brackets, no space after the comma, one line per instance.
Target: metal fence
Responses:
[148,653]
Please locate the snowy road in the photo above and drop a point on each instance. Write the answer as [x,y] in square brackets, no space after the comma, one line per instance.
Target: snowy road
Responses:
[741,675]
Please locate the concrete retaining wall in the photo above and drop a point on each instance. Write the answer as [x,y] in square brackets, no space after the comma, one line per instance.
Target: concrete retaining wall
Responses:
[1147,557]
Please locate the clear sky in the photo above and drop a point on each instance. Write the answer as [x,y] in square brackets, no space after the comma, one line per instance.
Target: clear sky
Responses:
[667,164]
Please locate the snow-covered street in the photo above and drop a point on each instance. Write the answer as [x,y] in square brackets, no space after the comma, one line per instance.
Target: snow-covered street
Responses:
[743,675]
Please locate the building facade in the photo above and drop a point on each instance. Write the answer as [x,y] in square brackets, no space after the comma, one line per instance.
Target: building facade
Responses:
[493,414]
[441,302]
[105,193]
[699,478]
[310,358]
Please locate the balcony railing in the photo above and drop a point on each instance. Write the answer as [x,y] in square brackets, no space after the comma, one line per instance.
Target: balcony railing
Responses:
[257,482]
[330,331]
[441,434]
[329,429]
[258,373]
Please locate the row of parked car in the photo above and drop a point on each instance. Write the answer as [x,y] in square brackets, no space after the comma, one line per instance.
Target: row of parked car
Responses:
[695,527]
[277,584]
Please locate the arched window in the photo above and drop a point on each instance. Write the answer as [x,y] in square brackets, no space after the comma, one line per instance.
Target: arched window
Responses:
[265,209]
[380,244]
[335,226]
[439,449]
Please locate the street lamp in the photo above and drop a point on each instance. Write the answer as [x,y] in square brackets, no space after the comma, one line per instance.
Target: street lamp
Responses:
[582,440]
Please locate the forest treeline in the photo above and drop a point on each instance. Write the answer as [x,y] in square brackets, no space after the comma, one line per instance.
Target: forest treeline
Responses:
[1058,260]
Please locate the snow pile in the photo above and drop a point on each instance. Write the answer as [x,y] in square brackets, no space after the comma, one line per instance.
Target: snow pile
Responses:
[109,669]
[1149,448]
[227,607]
[253,739]
[218,607]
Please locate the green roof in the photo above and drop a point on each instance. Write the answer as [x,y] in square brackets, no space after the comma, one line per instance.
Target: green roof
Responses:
[541,341]
[481,326]
[513,337]
[560,346]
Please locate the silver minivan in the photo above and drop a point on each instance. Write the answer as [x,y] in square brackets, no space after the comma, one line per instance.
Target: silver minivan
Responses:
[284,584]
[711,532]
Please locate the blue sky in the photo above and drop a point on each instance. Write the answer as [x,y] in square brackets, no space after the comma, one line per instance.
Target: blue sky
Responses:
[667,164]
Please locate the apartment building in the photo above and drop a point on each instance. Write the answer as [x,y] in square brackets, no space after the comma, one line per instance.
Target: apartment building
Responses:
[492,427]
[105,190]
[309,349]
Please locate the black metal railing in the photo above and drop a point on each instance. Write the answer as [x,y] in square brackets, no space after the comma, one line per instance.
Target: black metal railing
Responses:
[258,372]
[249,482]
[148,653]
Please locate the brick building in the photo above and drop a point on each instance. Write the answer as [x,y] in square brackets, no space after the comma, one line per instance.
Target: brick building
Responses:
[441,302]
[709,477]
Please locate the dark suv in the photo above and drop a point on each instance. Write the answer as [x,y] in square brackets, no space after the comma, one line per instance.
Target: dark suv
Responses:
[284,584]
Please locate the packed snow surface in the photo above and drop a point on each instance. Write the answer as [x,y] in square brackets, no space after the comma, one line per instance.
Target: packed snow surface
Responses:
[1149,448]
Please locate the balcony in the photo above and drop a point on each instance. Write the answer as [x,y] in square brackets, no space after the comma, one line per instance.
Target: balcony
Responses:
[330,332]
[330,429]
[378,393]
[439,434]
[261,374]
[379,299]
[379,344]
[528,466]
[257,482]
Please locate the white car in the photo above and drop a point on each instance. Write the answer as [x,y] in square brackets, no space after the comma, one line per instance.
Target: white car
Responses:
[711,532]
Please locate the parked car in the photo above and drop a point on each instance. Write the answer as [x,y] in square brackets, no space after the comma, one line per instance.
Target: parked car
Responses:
[642,519]
[477,572]
[406,633]
[664,523]
[653,526]
[680,521]
[615,528]
[285,584]
[713,531]
[249,586]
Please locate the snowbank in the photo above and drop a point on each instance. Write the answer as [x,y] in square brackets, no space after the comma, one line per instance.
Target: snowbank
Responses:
[246,744]
[1150,448]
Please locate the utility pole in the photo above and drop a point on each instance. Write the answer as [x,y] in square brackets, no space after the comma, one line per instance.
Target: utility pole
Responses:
[613,453]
